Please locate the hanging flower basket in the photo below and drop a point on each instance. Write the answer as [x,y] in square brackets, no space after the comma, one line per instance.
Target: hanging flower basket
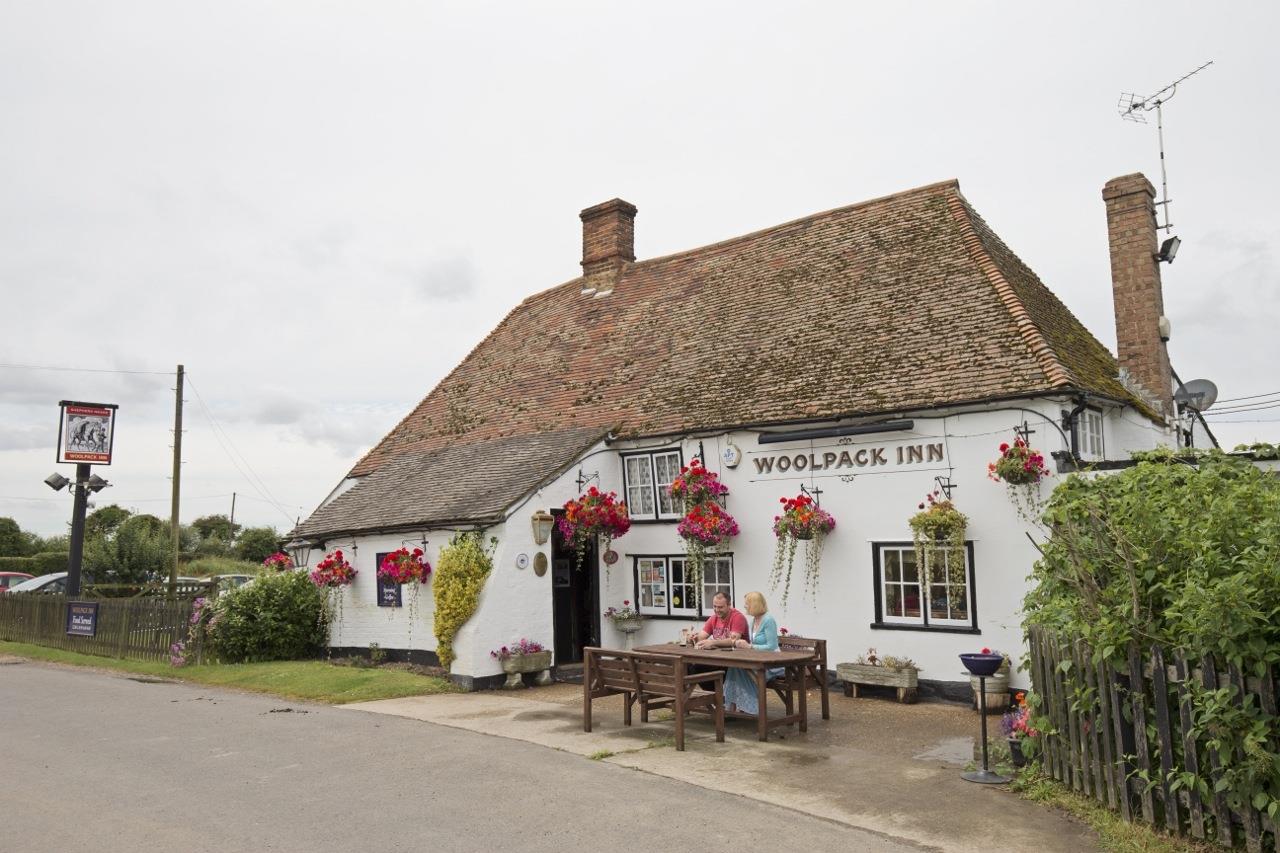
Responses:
[404,566]
[696,485]
[594,514]
[1018,465]
[939,525]
[279,562]
[706,524]
[333,571]
[801,520]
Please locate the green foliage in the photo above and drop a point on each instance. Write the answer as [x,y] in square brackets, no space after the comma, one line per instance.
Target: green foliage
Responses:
[104,521]
[203,567]
[139,548]
[279,616]
[13,541]
[48,562]
[1182,555]
[216,527]
[1260,450]
[464,565]
[18,564]
[257,543]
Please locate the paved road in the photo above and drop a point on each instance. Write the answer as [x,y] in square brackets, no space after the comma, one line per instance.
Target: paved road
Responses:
[101,762]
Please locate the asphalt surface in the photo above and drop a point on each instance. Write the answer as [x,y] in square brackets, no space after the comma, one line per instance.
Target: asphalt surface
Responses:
[103,762]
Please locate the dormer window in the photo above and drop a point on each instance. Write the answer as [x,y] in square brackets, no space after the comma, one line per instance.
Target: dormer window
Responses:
[647,477]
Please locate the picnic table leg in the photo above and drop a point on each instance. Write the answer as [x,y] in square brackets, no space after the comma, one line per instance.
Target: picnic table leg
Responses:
[762,697]
[804,700]
[826,701]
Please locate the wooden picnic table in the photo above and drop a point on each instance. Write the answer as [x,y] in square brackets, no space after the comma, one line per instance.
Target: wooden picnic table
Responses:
[756,663]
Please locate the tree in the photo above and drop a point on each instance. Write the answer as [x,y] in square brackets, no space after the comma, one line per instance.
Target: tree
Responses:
[216,527]
[104,521]
[257,543]
[139,549]
[13,541]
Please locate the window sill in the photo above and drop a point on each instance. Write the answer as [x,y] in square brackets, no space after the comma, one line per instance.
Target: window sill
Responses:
[928,629]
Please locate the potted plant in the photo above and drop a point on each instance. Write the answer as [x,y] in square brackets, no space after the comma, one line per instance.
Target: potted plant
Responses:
[519,658]
[903,674]
[939,525]
[1016,726]
[706,524]
[593,514]
[994,667]
[802,520]
[625,619]
[1018,465]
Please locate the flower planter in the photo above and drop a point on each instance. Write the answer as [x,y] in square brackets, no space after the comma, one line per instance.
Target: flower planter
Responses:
[628,626]
[516,665]
[1015,752]
[905,680]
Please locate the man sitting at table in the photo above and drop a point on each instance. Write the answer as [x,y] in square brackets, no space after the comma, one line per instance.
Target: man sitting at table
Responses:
[725,626]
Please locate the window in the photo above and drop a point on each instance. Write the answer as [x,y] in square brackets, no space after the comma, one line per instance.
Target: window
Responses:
[664,588]
[938,595]
[1090,432]
[646,478]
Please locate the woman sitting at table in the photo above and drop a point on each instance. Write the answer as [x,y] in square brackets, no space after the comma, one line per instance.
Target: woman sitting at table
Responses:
[740,692]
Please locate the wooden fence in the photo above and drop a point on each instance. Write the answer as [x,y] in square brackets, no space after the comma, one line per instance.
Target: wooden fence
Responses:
[1096,749]
[136,628]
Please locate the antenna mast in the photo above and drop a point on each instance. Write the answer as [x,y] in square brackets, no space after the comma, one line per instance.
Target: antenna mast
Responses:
[1132,108]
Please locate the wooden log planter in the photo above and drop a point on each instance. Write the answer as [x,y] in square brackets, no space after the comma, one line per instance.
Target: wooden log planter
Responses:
[905,680]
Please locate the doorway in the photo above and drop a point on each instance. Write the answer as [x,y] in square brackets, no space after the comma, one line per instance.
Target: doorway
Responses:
[575,598]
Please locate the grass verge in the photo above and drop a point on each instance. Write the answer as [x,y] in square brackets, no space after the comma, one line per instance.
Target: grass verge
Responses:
[1114,832]
[314,680]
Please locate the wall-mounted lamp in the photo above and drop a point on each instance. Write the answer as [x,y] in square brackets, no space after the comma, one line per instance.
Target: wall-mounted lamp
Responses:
[1168,250]
[1165,328]
[300,550]
[543,521]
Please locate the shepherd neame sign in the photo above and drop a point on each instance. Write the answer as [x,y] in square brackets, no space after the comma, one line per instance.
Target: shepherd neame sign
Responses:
[847,460]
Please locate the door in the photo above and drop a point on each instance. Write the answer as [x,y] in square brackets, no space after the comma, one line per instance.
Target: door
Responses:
[575,598]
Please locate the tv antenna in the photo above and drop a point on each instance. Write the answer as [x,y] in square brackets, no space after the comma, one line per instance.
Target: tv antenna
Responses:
[1132,108]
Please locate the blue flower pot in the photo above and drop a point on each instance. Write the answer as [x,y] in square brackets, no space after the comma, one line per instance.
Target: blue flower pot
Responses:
[980,664]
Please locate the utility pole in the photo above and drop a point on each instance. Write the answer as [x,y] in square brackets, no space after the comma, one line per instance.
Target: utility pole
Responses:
[177,484]
[233,510]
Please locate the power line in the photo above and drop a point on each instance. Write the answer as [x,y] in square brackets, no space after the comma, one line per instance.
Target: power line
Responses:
[1251,397]
[224,441]
[86,369]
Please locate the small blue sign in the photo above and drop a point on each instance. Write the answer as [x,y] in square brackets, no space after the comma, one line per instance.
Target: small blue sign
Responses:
[82,618]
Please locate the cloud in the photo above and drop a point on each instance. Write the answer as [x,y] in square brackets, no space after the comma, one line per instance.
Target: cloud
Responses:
[14,437]
[450,279]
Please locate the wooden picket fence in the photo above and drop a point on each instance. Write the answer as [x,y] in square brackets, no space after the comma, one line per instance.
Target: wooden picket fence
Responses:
[1098,751]
[134,628]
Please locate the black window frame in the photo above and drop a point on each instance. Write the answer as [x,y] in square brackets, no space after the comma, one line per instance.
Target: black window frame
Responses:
[878,587]
[657,517]
[705,609]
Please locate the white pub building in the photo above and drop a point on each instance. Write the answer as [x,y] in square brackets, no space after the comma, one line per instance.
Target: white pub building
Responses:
[872,354]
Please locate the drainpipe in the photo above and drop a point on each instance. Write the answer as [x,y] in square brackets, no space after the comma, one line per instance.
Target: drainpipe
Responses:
[1070,422]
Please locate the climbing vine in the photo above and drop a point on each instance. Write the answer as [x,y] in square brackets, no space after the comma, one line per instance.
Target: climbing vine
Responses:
[461,571]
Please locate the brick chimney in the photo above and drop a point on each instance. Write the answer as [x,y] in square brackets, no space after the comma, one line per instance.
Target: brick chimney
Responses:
[608,240]
[1135,286]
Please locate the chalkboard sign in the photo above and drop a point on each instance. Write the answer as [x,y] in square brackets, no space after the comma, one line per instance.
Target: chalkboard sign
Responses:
[82,618]
[388,592]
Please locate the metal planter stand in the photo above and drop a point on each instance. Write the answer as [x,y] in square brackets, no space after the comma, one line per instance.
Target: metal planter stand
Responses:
[984,776]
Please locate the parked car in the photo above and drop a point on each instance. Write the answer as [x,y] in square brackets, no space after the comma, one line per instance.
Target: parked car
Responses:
[226,583]
[51,583]
[11,579]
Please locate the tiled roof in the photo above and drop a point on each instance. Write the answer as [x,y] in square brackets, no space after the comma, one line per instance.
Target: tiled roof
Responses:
[461,483]
[900,303]
[903,302]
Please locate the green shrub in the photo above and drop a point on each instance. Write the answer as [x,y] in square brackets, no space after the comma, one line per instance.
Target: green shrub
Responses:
[461,571]
[203,567]
[277,617]
[50,561]
[18,564]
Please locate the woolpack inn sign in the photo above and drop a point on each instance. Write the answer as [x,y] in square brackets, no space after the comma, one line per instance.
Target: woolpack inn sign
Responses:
[847,460]
[86,432]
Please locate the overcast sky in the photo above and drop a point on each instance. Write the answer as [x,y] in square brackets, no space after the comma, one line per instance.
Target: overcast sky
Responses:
[320,208]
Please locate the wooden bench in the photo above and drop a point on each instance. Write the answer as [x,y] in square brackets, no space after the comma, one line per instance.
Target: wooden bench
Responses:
[815,674]
[651,681]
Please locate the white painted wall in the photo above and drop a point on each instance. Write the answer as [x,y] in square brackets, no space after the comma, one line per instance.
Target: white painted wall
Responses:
[871,507]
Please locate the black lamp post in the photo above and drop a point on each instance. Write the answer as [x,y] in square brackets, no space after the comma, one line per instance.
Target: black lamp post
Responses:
[82,486]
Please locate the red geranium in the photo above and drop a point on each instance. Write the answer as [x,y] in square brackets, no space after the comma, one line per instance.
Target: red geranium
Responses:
[333,571]
[595,513]
[404,566]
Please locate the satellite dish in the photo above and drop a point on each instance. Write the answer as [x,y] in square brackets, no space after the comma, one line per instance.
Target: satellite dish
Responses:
[1198,394]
